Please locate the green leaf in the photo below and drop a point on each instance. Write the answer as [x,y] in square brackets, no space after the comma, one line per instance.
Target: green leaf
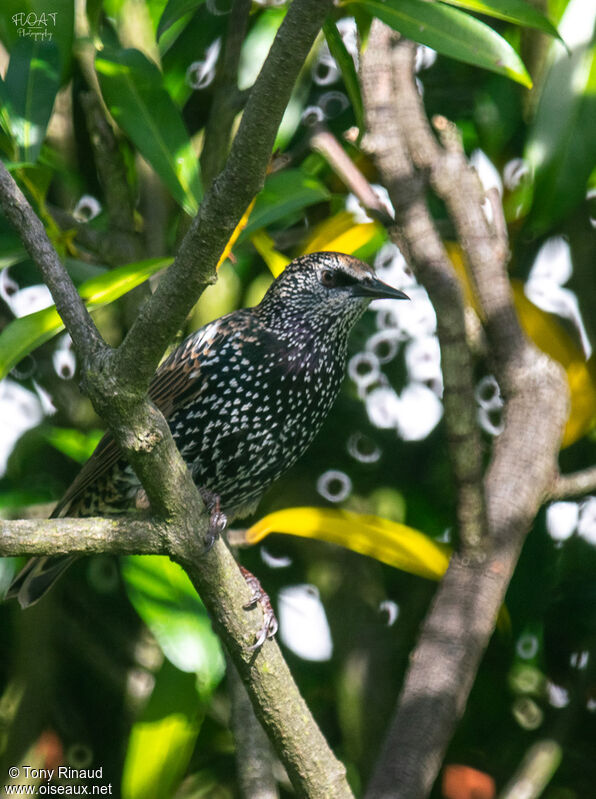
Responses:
[257,44]
[77,445]
[165,599]
[132,87]
[450,32]
[284,193]
[162,741]
[561,146]
[28,93]
[345,62]
[174,11]
[25,334]
[10,257]
[517,11]
[38,21]
[189,46]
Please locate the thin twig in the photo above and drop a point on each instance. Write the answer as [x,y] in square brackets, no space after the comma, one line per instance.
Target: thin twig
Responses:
[536,771]
[577,484]
[325,143]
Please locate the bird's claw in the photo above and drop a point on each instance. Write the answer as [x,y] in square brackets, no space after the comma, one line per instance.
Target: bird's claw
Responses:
[218,520]
[260,597]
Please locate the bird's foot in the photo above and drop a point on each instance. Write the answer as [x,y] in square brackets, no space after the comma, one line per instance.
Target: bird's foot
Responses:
[217,518]
[260,597]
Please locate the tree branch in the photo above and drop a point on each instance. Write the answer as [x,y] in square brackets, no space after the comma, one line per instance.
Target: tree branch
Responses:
[110,166]
[462,616]
[254,756]
[119,536]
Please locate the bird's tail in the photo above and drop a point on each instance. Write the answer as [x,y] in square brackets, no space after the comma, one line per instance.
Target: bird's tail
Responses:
[36,578]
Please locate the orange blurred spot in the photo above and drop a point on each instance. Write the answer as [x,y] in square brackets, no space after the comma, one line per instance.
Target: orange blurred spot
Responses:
[49,749]
[463,782]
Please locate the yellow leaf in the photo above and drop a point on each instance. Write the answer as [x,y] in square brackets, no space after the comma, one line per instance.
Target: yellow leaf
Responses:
[263,244]
[547,333]
[551,337]
[455,254]
[392,543]
[582,387]
[237,231]
[340,233]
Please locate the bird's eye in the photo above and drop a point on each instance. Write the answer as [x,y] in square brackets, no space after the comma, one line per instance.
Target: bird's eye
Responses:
[328,278]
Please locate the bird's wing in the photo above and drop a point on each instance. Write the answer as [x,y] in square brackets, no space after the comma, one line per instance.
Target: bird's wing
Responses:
[177,380]
[106,454]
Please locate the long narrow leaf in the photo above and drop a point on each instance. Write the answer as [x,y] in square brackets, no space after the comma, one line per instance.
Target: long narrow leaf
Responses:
[561,146]
[32,20]
[175,10]
[28,93]
[450,32]
[161,742]
[517,11]
[548,333]
[345,62]
[165,599]
[342,233]
[392,543]
[23,335]
[132,87]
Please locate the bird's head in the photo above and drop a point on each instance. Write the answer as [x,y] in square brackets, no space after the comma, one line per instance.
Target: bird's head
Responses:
[325,289]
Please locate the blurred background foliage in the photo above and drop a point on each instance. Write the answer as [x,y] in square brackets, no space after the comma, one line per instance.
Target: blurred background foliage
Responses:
[119,667]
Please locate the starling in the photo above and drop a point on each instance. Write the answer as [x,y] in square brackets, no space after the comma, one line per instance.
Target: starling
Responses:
[244,397]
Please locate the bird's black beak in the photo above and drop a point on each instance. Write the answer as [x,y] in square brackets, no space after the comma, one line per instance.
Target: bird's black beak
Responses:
[375,289]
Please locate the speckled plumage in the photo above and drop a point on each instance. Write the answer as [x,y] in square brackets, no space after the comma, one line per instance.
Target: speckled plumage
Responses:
[245,395]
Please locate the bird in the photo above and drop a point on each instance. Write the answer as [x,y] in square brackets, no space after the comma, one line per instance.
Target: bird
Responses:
[244,396]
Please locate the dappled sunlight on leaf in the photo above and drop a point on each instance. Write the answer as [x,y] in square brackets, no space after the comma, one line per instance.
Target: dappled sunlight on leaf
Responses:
[165,599]
[161,742]
[340,233]
[132,87]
